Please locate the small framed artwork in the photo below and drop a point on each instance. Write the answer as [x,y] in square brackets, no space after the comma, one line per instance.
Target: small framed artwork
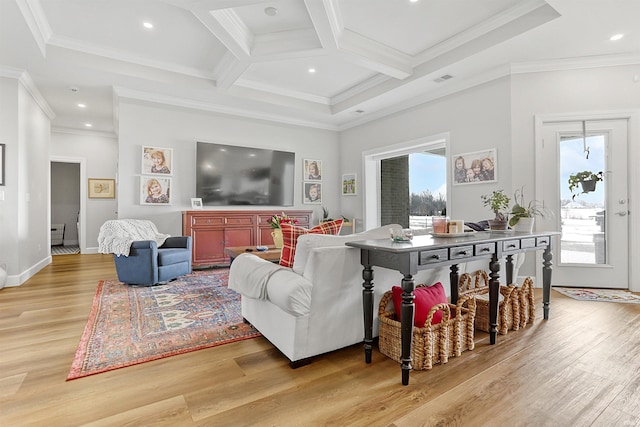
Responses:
[196,203]
[312,193]
[155,191]
[475,168]
[156,160]
[102,188]
[312,170]
[2,164]
[349,184]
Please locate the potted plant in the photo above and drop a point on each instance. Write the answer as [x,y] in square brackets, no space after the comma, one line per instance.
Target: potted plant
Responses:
[523,214]
[586,179]
[498,202]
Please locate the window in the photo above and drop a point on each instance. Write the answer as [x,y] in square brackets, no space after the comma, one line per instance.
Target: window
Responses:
[432,150]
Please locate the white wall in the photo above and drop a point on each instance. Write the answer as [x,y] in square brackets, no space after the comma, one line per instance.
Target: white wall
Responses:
[594,90]
[99,152]
[24,243]
[476,119]
[501,114]
[179,129]
[8,210]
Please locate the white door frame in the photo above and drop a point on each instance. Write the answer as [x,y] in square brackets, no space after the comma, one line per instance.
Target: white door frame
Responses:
[633,147]
[82,238]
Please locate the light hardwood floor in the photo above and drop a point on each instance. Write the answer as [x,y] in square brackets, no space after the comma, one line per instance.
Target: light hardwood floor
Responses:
[580,368]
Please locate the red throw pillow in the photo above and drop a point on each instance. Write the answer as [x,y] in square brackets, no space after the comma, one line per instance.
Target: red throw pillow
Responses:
[425,298]
[290,234]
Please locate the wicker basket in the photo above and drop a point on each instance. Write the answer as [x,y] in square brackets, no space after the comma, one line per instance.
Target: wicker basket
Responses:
[433,343]
[524,303]
[507,306]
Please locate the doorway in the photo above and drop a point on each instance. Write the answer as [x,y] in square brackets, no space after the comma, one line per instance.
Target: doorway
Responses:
[593,250]
[67,205]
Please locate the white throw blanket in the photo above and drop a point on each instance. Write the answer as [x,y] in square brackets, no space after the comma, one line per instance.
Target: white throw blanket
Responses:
[116,235]
[249,275]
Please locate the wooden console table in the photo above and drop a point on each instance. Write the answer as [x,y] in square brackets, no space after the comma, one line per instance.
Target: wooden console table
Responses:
[425,252]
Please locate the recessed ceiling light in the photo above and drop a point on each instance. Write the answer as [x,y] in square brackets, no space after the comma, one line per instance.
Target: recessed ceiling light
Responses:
[147,25]
[616,37]
[414,1]
[312,70]
[88,125]
[271,11]
[82,106]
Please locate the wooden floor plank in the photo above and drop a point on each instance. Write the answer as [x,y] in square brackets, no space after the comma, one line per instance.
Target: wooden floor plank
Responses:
[579,368]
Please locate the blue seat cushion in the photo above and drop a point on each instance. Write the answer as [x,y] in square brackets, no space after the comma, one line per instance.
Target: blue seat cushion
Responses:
[170,256]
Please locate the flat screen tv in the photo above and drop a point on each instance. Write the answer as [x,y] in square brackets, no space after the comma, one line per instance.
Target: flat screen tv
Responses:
[229,175]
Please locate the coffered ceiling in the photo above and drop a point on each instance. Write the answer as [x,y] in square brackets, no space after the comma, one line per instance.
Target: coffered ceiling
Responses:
[370,58]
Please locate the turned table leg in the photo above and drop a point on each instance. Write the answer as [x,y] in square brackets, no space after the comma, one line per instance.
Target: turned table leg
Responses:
[406,325]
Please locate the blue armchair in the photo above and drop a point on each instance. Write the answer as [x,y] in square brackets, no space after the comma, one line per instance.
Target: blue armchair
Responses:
[148,264]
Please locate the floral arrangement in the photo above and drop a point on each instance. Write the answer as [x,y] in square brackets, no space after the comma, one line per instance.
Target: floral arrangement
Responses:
[276,220]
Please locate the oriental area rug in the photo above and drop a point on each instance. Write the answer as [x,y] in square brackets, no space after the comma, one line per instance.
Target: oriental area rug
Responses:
[129,325]
[604,295]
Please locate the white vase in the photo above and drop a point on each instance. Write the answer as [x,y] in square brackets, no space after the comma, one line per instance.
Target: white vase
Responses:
[524,225]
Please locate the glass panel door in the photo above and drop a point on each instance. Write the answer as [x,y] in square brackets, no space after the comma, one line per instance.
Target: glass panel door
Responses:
[593,250]
[583,212]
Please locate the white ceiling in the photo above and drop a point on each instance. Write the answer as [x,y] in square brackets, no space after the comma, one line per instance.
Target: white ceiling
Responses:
[372,57]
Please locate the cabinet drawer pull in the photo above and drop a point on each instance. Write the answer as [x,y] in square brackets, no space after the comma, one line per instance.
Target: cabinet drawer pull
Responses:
[485,250]
[462,253]
[435,256]
[543,242]
[512,246]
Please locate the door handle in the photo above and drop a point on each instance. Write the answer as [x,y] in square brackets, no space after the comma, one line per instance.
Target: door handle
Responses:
[621,213]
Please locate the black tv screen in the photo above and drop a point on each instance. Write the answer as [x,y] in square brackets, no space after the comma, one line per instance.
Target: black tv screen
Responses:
[233,175]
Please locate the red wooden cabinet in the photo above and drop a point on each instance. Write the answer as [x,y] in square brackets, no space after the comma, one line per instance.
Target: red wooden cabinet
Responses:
[212,231]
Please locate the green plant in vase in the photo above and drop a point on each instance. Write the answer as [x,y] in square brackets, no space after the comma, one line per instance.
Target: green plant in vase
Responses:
[498,202]
[586,180]
[523,213]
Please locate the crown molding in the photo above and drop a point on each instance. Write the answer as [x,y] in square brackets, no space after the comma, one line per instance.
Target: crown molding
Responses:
[450,89]
[250,84]
[83,132]
[228,70]
[26,81]
[284,44]
[155,98]
[327,21]
[10,72]
[370,83]
[576,63]
[504,18]
[375,56]
[37,22]
[118,55]
[227,26]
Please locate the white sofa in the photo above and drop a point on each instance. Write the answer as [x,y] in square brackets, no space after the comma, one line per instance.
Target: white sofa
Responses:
[316,306]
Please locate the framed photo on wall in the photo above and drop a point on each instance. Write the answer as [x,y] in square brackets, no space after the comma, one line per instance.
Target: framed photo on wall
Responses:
[155,190]
[312,193]
[349,184]
[312,170]
[475,168]
[102,188]
[156,160]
